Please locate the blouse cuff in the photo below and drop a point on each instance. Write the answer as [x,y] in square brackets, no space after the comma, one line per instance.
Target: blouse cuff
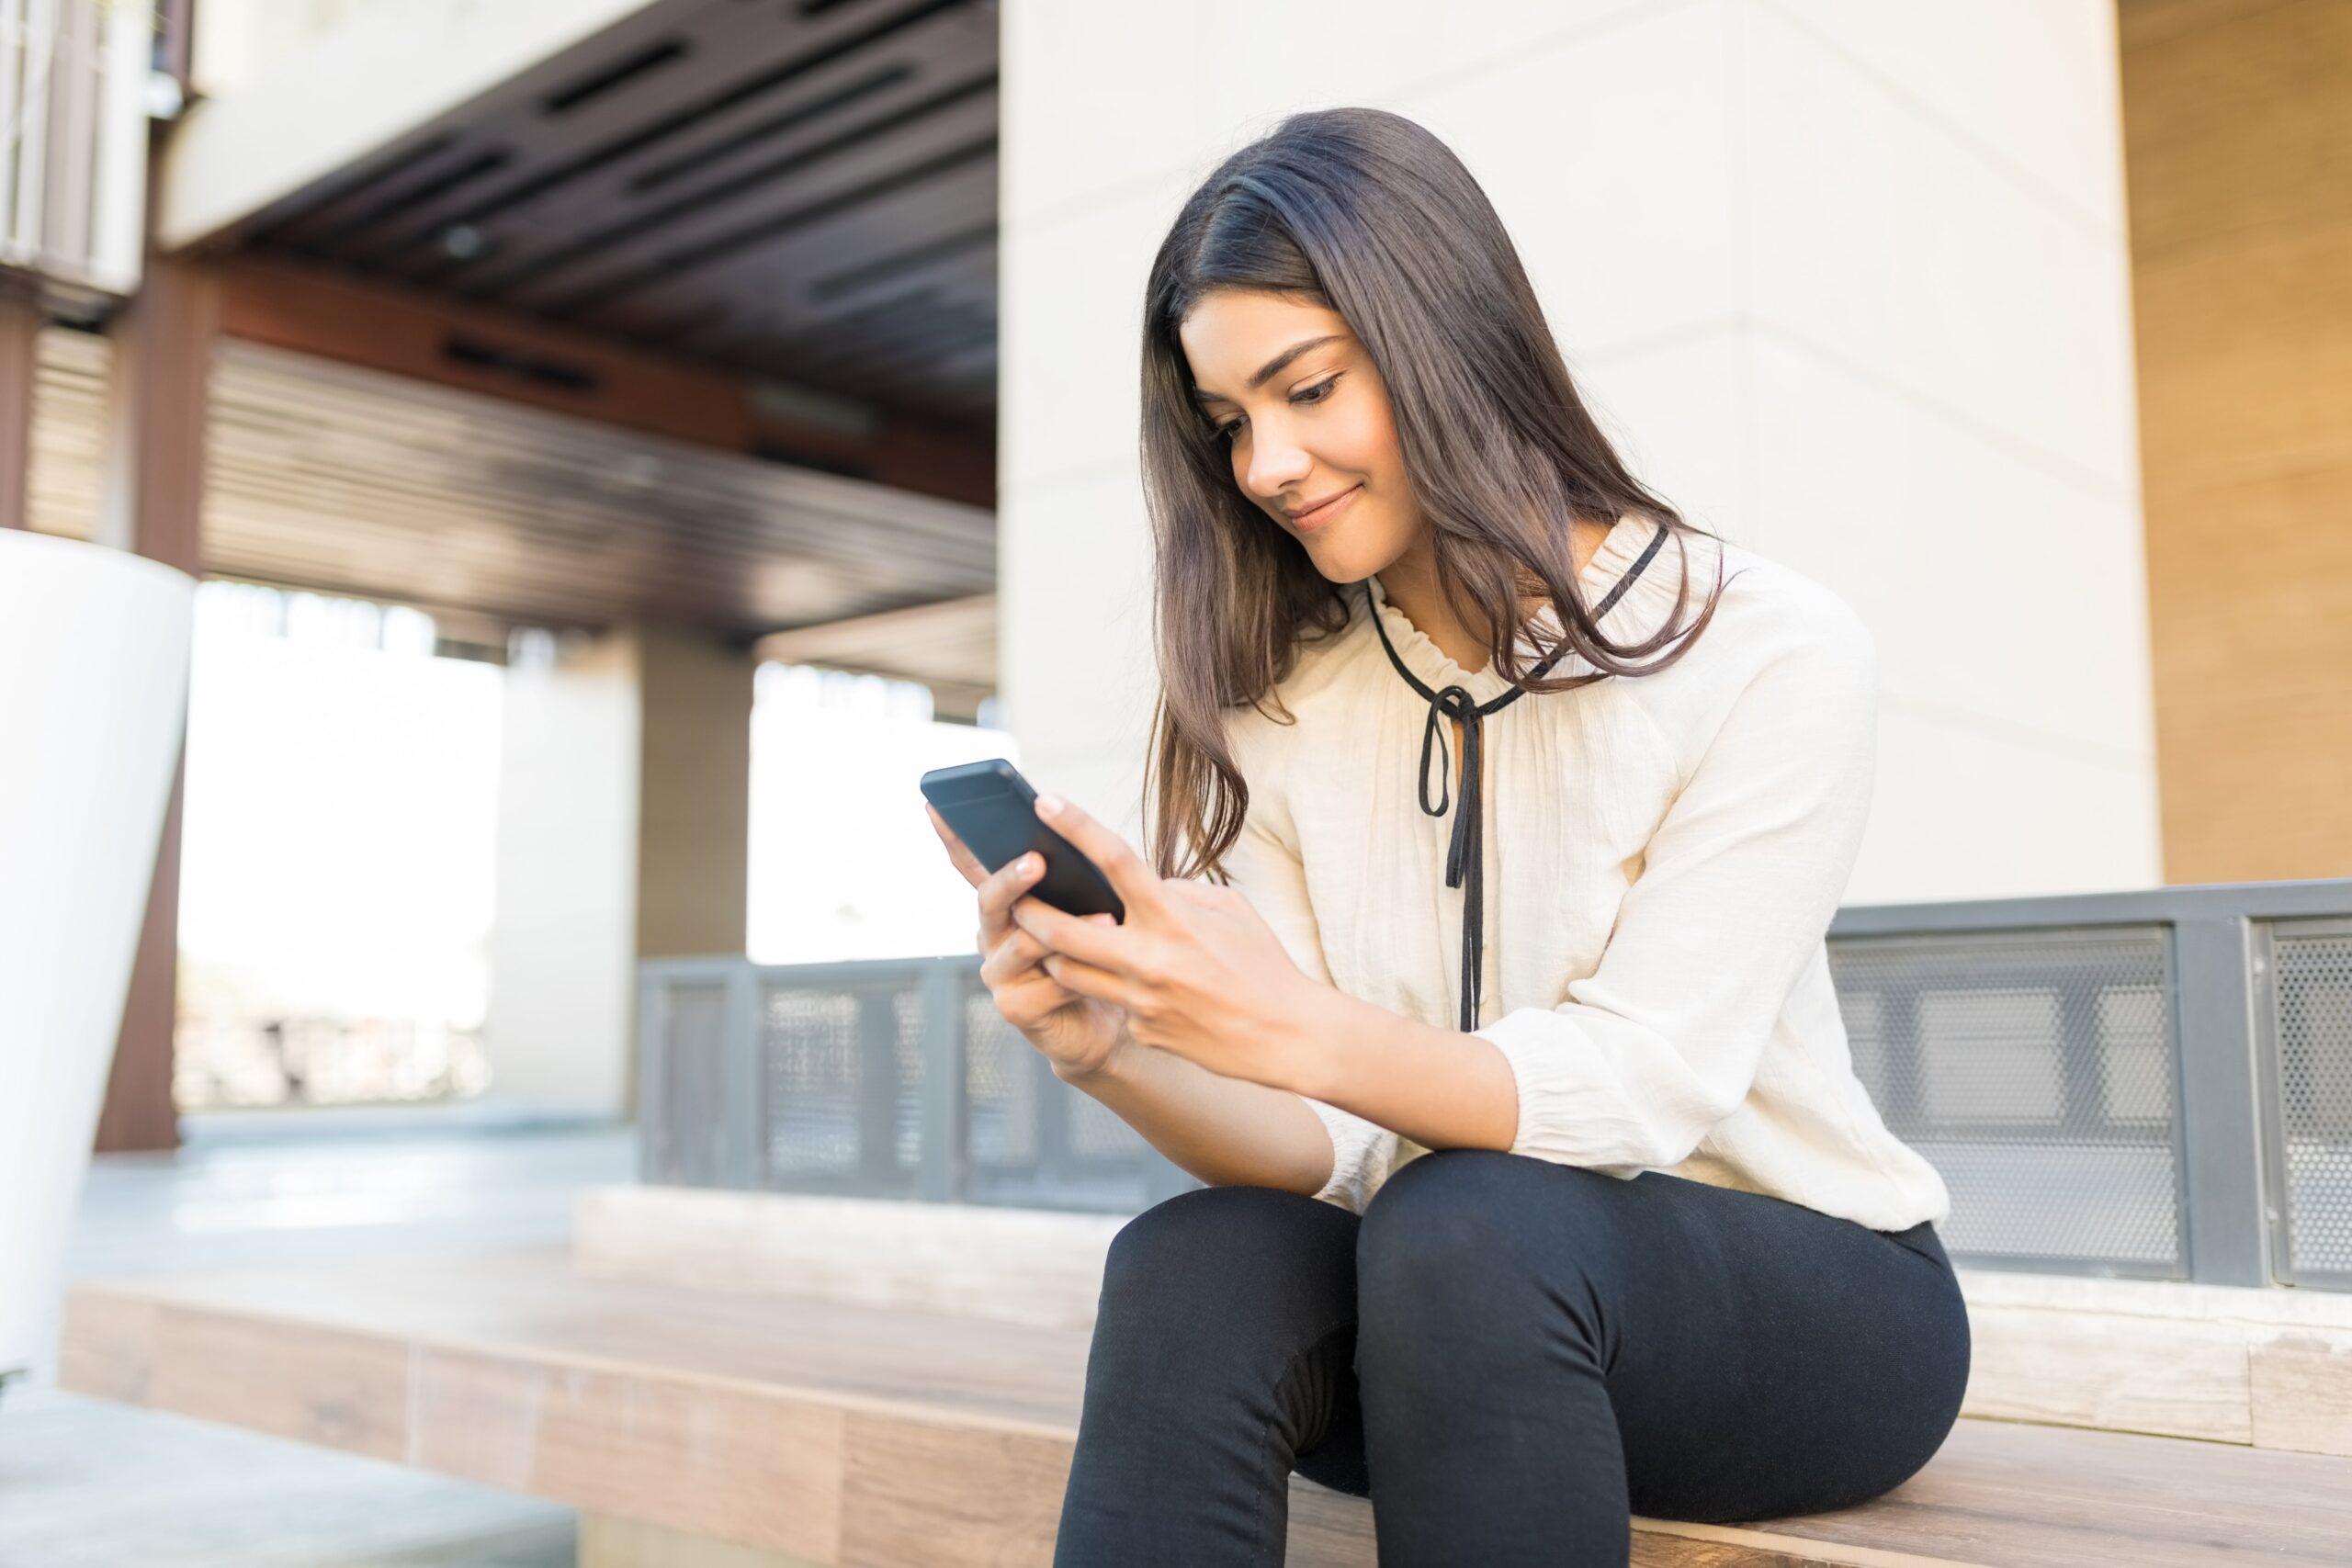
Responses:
[1564,1115]
[1354,1144]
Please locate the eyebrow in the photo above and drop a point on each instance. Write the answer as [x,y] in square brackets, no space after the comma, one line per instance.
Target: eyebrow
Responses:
[1273,368]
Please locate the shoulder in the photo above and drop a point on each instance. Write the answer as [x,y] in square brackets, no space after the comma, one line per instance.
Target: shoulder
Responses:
[1770,612]
[1785,653]
[1766,595]
[1322,676]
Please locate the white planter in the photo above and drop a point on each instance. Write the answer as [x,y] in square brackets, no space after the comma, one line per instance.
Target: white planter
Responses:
[94,655]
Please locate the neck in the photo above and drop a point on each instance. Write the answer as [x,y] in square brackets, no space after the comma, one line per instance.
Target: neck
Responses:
[1409,582]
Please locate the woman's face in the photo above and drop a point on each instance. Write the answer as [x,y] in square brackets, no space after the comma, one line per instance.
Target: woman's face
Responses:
[1308,419]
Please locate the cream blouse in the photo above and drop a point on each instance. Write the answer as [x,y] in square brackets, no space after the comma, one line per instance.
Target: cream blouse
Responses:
[1662,854]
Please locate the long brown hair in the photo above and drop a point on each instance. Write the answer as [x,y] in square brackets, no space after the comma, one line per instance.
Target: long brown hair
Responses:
[1365,213]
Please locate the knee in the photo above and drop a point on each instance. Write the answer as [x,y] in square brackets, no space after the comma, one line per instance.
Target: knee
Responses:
[1211,1258]
[1468,1236]
[1432,1229]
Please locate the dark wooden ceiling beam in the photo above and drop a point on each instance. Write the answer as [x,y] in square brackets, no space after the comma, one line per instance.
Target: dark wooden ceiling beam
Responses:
[698,185]
[382,327]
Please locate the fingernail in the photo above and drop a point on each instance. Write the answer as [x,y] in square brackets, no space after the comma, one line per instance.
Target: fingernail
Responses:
[1028,865]
[1048,804]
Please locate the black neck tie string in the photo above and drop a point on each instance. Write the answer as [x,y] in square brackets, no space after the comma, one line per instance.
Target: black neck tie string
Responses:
[1464,854]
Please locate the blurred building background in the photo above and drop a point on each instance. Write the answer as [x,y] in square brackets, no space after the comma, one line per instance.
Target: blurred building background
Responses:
[626,442]
[617,483]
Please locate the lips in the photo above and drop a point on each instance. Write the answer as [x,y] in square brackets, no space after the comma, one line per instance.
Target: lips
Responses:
[1317,516]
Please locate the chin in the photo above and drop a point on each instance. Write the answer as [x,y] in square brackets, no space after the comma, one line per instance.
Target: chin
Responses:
[1336,565]
[1342,561]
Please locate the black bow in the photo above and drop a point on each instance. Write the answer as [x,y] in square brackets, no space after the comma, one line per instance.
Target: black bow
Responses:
[1464,866]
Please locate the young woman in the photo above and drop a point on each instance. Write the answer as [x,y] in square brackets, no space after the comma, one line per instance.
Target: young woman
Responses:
[1480,968]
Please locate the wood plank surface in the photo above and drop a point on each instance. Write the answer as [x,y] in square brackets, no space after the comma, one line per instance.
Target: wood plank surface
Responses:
[2223,1363]
[2303,1391]
[668,1452]
[1016,1265]
[609,1542]
[2181,1379]
[868,1437]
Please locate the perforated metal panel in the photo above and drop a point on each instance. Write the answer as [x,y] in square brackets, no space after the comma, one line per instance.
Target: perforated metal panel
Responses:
[2310,1034]
[2085,1071]
[842,1085]
[1003,1108]
[2038,1072]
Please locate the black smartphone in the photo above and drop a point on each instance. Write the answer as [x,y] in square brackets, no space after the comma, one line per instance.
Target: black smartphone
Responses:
[994,811]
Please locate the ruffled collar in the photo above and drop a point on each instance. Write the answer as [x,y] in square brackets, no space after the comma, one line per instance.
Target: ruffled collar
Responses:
[1618,552]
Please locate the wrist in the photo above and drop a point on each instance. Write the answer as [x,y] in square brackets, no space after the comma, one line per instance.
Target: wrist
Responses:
[1112,1065]
[1311,1053]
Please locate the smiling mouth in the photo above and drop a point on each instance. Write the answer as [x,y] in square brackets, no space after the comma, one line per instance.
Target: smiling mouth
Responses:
[1325,512]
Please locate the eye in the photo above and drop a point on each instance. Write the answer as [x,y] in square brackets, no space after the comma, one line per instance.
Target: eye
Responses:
[1315,393]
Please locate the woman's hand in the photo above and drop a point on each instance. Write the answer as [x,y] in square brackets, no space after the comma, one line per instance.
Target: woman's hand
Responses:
[1194,968]
[1077,1033]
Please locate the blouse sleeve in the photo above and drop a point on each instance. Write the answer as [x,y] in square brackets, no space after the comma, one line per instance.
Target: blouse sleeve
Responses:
[1264,864]
[1735,896]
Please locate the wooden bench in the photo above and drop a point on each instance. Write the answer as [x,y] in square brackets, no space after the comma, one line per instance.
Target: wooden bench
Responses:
[800,1430]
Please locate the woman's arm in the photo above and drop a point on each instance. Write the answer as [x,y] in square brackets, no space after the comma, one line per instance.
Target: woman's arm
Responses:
[1228,1132]
[1440,1088]
[1218,1118]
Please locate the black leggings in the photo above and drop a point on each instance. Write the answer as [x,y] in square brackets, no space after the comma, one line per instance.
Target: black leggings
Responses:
[1510,1357]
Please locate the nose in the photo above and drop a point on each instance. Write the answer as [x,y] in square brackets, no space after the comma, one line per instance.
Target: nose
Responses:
[1277,462]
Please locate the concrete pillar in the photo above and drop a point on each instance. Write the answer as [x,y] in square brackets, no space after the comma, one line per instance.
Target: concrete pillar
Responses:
[695,795]
[1849,283]
[623,834]
[160,406]
[20,322]
[562,943]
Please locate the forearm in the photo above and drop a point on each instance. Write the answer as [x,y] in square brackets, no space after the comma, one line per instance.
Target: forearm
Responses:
[1228,1132]
[1440,1088]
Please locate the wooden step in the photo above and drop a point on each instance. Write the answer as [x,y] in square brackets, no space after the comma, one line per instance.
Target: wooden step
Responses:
[2272,1368]
[868,1436]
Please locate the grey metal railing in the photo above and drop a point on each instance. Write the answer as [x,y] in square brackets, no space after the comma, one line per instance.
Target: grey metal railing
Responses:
[889,1077]
[2154,1084]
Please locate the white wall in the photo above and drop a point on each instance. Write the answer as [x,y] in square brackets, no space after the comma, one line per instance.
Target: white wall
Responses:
[1849,279]
[563,945]
[299,90]
[236,40]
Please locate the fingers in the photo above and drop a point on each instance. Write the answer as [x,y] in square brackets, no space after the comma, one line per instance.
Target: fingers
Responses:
[1009,883]
[1000,891]
[1077,975]
[1136,883]
[997,889]
[1006,960]
[1016,952]
[1025,992]
[1098,942]
[1029,979]
[1003,890]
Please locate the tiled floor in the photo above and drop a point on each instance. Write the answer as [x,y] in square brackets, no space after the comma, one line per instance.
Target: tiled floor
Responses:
[85,1484]
[89,1485]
